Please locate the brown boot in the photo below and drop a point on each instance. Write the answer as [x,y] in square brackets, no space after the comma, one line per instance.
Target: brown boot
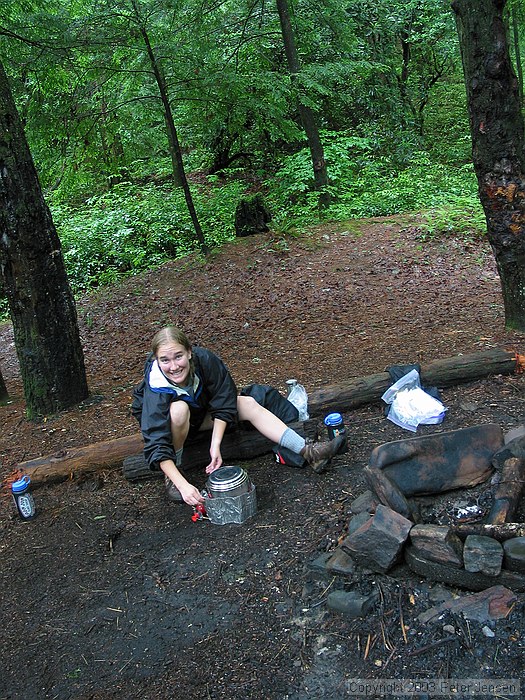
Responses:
[318,454]
[172,492]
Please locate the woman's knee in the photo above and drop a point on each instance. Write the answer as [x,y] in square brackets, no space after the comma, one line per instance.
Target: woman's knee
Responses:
[179,415]
[247,406]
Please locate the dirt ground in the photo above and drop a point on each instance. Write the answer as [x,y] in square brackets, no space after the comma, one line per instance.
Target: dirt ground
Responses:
[113,592]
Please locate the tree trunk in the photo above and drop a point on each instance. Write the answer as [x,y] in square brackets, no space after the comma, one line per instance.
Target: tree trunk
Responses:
[40,300]
[179,174]
[517,51]
[497,130]
[3,389]
[307,115]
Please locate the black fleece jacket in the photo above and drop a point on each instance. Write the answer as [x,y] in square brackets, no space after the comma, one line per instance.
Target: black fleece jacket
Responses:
[214,392]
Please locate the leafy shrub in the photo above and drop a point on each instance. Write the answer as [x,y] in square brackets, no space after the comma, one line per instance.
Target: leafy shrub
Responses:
[367,181]
[134,228]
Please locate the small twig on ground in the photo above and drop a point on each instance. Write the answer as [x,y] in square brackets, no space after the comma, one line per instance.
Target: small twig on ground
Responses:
[386,641]
[403,629]
[279,652]
[389,658]
[427,647]
[328,588]
[126,664]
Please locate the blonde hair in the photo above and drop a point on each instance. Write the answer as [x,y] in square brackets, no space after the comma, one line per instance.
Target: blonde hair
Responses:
[171,334]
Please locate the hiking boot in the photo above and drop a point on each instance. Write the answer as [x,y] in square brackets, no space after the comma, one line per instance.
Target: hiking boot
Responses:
[318,454]
[172,492]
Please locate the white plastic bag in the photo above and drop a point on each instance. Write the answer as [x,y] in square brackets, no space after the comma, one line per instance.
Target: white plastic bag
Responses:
[299,398]
[410,405]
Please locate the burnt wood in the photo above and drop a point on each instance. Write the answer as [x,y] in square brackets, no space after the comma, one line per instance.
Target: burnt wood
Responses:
[460,577]
[432,464]
[499,531]
[508,492]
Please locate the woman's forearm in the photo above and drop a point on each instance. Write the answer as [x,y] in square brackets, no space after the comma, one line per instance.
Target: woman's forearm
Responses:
[219,428]
[169,468]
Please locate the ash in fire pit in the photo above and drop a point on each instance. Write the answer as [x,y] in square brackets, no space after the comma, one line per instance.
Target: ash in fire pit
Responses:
[419,505]
[457,507]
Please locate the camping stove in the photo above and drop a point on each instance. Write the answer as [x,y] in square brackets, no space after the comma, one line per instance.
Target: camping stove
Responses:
[230,496]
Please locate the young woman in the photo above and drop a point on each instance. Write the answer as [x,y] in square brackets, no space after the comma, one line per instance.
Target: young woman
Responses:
[187,389]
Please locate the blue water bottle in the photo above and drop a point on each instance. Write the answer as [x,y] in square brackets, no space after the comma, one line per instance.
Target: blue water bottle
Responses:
[335,427]
[23,498]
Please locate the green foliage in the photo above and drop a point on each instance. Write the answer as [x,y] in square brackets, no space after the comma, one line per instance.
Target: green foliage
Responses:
[366,180]
[134,228]
[460,216]
[384,79]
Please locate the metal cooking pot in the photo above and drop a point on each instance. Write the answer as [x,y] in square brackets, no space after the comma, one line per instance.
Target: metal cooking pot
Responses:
[228,481]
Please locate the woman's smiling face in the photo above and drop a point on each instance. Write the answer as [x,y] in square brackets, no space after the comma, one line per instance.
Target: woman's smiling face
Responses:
[174,361]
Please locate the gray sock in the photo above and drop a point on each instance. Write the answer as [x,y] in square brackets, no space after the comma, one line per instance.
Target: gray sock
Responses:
[178,457]
[292,441]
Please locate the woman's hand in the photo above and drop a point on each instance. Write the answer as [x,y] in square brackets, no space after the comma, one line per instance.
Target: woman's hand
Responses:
[190,494]
[219,426]
[216,459]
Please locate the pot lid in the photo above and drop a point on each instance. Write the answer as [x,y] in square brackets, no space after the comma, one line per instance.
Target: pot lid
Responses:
[227,478]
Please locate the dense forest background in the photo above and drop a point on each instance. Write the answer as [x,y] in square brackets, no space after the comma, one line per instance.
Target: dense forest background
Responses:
[136,109]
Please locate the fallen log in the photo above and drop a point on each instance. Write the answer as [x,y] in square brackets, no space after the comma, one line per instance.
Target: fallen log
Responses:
[498,531]
[80,460]
[341,397]
[508,492]
[239,444]
[440,373]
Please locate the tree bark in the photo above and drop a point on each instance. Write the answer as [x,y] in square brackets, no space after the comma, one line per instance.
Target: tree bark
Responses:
[517,50]
[307,115]
[40,301]
[497,130]
[3,389]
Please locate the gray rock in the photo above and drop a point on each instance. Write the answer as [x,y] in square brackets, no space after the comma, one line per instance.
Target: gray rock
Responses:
[341,562]
[365,503]
[514,554]
[437,543]
[483,555]
[378,543]
[319,564]
[358,520]
[351,603]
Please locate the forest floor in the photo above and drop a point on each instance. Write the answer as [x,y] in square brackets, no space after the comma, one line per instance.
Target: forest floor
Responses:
[113,592]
